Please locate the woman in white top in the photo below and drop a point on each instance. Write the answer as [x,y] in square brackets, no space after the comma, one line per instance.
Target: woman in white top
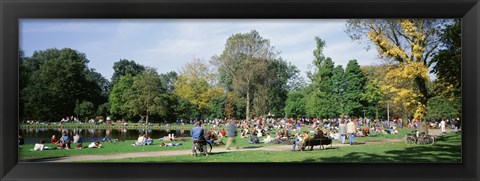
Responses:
[40,146]
[268,139]
[95,145]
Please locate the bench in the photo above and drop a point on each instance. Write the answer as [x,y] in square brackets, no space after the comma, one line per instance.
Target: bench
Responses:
[318,142]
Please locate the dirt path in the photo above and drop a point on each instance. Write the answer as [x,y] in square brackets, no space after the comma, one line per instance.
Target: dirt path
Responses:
[186,152]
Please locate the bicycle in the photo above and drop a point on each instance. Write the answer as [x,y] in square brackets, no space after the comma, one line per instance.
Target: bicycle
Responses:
[199,147]
[420,139]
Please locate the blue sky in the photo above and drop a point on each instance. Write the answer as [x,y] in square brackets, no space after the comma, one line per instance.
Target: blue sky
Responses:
[168,44]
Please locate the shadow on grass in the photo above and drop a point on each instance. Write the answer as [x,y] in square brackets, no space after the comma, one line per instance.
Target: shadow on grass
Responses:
[43,159]
[446,149]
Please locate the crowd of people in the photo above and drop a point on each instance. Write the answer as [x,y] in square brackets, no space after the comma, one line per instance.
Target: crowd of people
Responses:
[267,130]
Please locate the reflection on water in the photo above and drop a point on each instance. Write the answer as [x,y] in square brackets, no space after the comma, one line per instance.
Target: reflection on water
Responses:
[34,135]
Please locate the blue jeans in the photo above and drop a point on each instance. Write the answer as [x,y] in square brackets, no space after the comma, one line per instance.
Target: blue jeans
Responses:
[351,137]
[342,138]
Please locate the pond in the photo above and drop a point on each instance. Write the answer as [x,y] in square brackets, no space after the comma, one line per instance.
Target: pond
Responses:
[34,135]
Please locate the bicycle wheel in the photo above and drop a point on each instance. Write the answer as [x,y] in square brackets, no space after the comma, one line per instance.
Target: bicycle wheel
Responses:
[429,140]
[197,149]
[409,140]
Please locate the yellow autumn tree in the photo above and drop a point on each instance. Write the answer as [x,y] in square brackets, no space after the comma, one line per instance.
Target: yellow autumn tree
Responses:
[408,44]
[194,84]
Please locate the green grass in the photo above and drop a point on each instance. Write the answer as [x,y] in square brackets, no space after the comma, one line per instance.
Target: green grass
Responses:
[126,147]
[26,152]
[446,149]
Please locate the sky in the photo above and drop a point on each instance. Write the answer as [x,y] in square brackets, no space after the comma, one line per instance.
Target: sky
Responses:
[168,44]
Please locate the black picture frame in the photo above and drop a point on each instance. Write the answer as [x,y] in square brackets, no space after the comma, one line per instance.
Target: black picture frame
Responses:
[13,10]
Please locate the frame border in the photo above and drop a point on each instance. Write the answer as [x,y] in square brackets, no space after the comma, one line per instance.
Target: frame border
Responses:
[13,10]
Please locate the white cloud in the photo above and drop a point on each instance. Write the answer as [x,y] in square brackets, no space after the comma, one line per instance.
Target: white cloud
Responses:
[169,44]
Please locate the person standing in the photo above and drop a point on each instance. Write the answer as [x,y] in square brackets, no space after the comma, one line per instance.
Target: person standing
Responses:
[232,133]
[351,131]
[342,130]
[442,126]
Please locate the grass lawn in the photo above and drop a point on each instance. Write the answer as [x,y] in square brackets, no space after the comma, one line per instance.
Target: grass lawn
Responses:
[445,149]
[126,147]
[26,152]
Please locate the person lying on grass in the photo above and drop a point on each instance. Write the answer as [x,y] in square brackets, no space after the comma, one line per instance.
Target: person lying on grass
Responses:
[171,144]
[40,146]
[95,145]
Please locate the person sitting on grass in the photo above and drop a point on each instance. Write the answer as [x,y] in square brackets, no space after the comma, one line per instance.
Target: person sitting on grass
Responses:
[140,141]
[254,139]
[268,139]
[359,133]
[243,134]
[40,146]
[54,140]
[149,141]
[223,133]
[210,137]
[95,145]
[64,141]
[171,144]
[77,138]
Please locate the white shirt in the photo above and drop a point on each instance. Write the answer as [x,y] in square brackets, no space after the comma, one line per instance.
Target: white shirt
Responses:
[39,146]
[92,145]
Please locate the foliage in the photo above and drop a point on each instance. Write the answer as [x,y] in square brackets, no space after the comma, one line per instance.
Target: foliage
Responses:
[125,67]
[439,107]
[146,96]
[409,42]
[243,68]
[193,86]
[324,94]
[56,79]
[295,105]
[85,109]
[118,95]
[354,88]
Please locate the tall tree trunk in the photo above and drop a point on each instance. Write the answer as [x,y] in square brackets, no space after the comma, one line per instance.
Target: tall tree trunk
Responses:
[422,86]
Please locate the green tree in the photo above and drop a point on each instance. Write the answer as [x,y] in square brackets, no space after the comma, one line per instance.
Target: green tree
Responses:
[338,91]
[439,107]
[85,109]
[354,88]
[118,96]
[278,82]
[295,104]
[125,67]
[243,64]
[146,96]
[56,79]
[320,96]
